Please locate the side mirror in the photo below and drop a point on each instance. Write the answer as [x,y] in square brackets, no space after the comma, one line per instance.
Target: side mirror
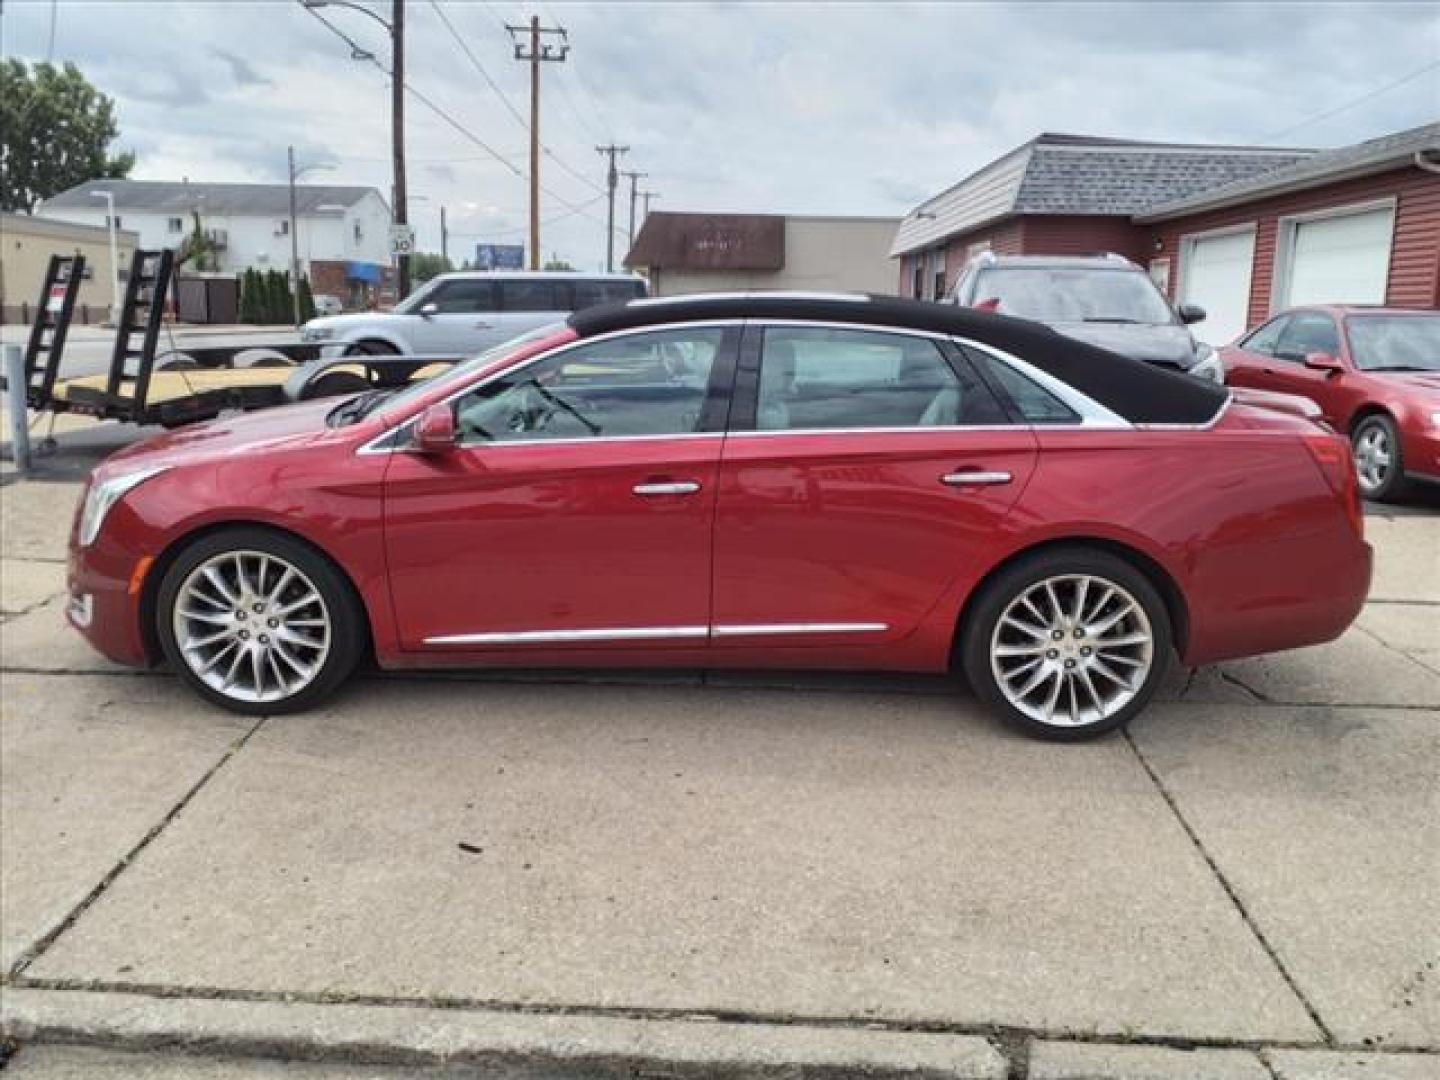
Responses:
[435,431]
[427,310]
[1323,361]
[1191,313]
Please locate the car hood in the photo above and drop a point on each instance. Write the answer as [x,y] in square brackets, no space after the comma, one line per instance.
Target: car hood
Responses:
[1153,343]
[340,323]
[194,444]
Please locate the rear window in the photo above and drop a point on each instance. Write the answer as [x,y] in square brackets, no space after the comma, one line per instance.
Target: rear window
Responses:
[539,295]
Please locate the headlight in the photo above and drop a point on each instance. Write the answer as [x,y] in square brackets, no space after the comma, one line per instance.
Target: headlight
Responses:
[104,494]
[1209,366]
[316,333]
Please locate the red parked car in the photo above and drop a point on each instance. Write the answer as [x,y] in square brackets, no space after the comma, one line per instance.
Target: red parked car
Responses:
[1373,372]
[751,480]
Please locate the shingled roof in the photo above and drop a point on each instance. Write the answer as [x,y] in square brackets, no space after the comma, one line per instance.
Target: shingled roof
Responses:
[1076,174]
[1325,167]
[238,199]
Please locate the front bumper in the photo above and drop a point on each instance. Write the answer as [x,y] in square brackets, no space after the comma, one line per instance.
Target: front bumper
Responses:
[105,583]
[1420,451]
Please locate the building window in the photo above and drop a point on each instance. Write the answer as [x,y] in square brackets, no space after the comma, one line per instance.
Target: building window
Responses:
[115,224]
[937,274]
[282,228]
[175,225]
[917,277]
[359,233]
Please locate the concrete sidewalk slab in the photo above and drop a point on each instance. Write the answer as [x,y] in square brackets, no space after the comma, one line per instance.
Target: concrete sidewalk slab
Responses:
[1338,1065]
[1407,557]
[767,853]
[1357,669]
[1411,628]
[1327,824]
[26,584]
[35,519]
[89,766]
[509,1044]
[1097,1061]
[41,640]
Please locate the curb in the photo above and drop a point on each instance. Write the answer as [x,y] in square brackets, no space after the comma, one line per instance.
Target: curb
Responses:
[517,1044]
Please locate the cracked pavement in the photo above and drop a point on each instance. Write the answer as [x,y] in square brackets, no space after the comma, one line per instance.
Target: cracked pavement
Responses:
[687,874]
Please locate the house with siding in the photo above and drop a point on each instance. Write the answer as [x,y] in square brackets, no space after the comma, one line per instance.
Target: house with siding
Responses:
[1241,231]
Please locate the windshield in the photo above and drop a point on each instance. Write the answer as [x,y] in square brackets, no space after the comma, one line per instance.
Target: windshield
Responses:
[1079,294]
[356,408]
[1395,342]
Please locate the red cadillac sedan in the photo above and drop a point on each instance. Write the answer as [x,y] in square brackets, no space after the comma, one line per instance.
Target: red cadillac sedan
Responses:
[1373,372]
[747,480]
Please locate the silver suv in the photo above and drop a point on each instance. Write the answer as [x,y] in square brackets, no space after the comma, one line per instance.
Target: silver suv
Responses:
[1104,299]
[463,314]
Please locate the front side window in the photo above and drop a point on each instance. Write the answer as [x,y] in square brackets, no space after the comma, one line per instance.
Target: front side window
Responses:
[1308,332]
[518,295]
[639,384]
[590,293]
[1033,402]
[463,297]
[1263,341]
[814,378]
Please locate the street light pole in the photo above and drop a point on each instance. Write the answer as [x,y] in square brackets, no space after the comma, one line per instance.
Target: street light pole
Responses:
[109,197]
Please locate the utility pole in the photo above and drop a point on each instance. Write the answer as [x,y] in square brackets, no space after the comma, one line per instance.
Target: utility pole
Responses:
[444,240]
[647,196]
[634,177]
[612,178]
[294,241]
[538,51]
[397,136]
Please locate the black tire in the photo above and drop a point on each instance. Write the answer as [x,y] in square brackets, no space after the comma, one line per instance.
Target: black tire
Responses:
[336,384]
[371,347]
[1391,483]
[349,632]
[1013,582]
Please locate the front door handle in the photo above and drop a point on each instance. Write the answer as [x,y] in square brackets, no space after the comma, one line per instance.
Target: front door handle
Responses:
[667,487]
[974,477]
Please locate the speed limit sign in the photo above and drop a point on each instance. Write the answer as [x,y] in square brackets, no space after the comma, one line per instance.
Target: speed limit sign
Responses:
[402,239]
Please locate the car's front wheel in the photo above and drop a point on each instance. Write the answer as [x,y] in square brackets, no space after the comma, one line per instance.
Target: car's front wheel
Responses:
[1067,644]
[258,622]
[1375,442]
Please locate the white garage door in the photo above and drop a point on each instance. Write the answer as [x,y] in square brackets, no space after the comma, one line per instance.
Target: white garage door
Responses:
[1340,260]
[1215,274]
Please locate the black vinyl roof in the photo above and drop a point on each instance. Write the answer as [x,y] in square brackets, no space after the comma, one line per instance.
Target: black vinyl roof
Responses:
[1137,391]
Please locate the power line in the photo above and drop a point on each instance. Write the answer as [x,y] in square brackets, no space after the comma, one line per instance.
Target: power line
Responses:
[1357,101]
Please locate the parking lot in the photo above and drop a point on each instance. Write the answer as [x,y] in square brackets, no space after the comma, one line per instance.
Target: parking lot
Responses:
[683,871]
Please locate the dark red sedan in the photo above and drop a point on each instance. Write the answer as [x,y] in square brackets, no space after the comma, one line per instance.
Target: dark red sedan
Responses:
[760,480]
[1373,372]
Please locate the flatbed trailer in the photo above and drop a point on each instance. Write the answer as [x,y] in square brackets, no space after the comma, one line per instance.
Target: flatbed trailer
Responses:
[145,385]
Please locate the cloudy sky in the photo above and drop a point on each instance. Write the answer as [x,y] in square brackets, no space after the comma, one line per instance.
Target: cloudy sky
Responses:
[848,108]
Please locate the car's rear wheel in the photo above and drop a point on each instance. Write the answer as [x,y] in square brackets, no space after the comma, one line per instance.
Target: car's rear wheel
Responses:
[1067,644]
[1379,466]
[258,622]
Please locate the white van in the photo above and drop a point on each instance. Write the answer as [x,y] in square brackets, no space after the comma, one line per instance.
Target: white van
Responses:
[465,313]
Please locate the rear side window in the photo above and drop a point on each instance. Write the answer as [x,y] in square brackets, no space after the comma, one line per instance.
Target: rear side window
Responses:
[590,293]
[1308,332]
[464,296]
[814,378]
[1033,403]
[519,295]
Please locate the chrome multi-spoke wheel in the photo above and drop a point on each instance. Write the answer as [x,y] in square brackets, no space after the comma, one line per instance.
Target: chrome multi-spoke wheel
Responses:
[1068,642]
[252,626]
[1374,457]
[1072,650]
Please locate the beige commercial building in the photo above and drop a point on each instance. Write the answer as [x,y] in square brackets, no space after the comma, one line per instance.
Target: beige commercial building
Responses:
[26,244]
[688,253]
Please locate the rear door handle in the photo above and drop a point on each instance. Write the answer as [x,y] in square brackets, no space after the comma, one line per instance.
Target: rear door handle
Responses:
[974,477]
[667,487]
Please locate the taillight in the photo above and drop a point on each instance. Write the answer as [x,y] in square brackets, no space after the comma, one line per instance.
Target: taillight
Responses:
[1332,454]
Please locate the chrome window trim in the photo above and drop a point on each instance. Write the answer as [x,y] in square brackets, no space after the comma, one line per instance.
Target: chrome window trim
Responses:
[370,446]
[742,294]
[652,633]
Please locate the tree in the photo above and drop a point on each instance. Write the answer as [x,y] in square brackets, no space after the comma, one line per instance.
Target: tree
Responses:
[557,263]
[55,131]
[424,265]
[307,300]
[198,247]
[250,297]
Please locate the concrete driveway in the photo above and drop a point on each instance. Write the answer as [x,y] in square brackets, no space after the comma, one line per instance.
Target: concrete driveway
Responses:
[569,874]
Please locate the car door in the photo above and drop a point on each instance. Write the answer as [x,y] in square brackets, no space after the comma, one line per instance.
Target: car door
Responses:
[464,322]
[577,509]
[864,470]
[1307,332]
[1246,361]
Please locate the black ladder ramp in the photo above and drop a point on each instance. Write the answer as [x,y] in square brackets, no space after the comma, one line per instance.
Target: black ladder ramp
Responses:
[58,295]
[142,313]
